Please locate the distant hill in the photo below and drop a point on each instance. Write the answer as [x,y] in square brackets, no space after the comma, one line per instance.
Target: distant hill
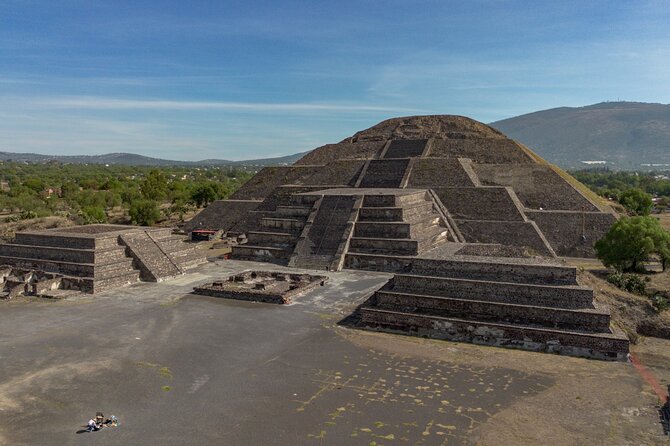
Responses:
[624,134]
[131,159]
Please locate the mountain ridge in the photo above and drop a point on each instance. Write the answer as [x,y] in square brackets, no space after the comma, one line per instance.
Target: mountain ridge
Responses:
[133,159]
[626,135]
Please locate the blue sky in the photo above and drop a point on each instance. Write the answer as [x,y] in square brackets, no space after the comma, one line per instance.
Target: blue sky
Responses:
[236,80]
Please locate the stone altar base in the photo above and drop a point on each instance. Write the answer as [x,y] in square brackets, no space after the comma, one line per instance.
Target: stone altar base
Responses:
[262,286]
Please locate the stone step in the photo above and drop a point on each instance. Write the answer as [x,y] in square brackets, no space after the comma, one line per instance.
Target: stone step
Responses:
[276,239]
[431,237]
[303,200]
[505,271]
[261,253]
[108,283]
[66,268]
[289,225]
[378,229]
[188,258]
[63,241]
[389,246]
[394,213]
[154,263]
[293,211]
[504,292]
[608,345]
[48,253]
[113,269]
[172,243]
[588,319]
[399,200]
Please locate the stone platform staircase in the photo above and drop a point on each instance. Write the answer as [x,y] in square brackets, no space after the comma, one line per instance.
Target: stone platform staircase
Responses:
[325,238]
[158,255]
[401,224]
[542,310]
[277,234]
[97,263]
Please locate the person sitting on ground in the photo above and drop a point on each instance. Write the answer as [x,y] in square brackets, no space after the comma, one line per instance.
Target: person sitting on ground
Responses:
[112,421]
[92,425]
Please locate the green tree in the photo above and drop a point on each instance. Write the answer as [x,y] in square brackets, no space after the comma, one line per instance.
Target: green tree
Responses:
[154,186]
[636,201]
[632,240]
[205,193]
[144,212]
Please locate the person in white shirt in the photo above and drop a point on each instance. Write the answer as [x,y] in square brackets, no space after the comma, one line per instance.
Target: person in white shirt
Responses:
[92,425]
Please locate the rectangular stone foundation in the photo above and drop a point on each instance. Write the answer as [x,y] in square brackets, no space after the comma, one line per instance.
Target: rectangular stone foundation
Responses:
[262,286]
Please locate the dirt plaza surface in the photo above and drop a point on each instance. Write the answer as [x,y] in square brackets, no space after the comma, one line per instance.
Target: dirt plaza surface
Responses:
[179,369]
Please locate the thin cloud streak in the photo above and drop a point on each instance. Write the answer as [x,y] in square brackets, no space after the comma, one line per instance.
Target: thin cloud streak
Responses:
[99,103]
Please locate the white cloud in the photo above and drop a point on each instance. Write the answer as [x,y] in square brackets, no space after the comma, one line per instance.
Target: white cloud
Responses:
[104,103]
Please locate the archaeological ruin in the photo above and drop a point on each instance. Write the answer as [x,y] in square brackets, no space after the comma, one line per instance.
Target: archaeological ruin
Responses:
[470,222]
[262,286]
[95,258]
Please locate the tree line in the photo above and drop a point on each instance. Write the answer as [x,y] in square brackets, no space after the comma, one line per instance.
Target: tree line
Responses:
[93,193]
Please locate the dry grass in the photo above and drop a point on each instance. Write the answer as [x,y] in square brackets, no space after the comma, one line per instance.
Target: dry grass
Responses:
[664,218]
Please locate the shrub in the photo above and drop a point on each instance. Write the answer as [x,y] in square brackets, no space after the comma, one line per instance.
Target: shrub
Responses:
[144,212]
[93,214]
[628,282]
[27,215]
[660,302]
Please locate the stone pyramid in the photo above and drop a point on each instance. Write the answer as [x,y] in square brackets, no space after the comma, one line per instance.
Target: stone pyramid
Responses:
[469,221]
[492,194]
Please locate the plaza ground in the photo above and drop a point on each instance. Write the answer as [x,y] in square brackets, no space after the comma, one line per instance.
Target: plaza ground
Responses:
[179,369]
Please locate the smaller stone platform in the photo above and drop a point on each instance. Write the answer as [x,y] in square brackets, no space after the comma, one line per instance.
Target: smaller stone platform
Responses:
[95,258]
[262,286]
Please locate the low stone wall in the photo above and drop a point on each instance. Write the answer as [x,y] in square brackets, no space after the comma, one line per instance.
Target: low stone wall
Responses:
[608,347]
[480,203]
[48,253]
[59,241]
[466,269]
[505,292]
[582,320]
[262,286]
[572,234]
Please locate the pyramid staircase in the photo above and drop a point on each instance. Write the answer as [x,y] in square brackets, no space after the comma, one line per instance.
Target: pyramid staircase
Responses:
[533,312]
[325,238]
[159,255]
[397,224]
[277,234]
